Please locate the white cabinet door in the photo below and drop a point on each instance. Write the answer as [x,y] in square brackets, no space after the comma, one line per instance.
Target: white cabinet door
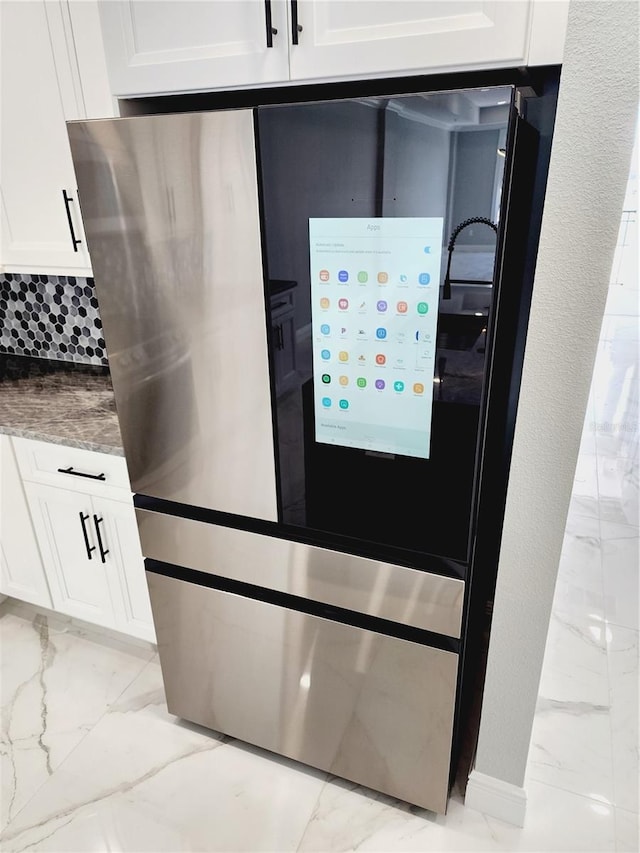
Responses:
[118,532]
[155,47]
[35,165]
[371,37]
[21,575]
[68,540]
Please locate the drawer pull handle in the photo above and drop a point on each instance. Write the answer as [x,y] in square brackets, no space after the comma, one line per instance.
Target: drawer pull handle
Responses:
[70,470]
[89,548]
[103,551]
[74,240]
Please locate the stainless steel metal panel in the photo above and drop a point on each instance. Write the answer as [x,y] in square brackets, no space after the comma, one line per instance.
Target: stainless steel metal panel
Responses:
[375,588]
[170,210]
[370,708]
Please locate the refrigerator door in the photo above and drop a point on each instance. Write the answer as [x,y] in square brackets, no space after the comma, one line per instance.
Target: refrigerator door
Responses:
[171,215]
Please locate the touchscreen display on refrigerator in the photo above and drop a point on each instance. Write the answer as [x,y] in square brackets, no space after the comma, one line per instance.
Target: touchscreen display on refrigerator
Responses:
[374,296]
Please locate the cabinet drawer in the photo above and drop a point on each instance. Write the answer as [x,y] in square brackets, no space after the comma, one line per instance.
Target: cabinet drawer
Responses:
[72,468]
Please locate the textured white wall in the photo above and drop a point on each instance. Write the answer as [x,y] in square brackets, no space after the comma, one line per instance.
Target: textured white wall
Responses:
[592,145]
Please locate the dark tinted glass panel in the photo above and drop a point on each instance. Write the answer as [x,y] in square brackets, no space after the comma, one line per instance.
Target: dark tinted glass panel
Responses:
[380,291]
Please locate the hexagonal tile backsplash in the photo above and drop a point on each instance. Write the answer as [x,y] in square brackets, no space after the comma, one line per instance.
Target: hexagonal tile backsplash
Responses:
[51,316]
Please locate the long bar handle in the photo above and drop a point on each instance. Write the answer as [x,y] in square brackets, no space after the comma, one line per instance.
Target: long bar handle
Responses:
[103,551]
[70,470]
[295,26]
[271,30]
[67,200]
[89,548]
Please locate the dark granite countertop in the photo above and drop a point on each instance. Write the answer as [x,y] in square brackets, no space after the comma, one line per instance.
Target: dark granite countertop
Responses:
[60,402]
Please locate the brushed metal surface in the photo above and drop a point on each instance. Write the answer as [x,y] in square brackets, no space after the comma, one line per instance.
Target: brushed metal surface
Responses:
[371,708]
[404,595]
[170,210]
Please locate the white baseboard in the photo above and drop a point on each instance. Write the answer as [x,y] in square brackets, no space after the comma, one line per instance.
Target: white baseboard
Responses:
[496,798]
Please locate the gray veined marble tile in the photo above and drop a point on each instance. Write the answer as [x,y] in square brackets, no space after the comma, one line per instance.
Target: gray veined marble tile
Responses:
[575,668]
[55,685]
[145,781]
[579,590]
[621,570]
[571,747]
[344,820]
[627,831]
[624,675]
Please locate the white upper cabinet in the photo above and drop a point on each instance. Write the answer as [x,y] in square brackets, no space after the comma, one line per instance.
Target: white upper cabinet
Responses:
[41,89]
[155,47]
[365,37]
[183,46]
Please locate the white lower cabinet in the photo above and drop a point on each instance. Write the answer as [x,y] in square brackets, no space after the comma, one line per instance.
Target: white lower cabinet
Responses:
[21,572]
[78,579]
[87,534]
[91,552]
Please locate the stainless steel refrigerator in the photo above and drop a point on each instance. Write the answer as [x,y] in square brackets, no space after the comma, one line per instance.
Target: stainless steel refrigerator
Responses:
[314,302]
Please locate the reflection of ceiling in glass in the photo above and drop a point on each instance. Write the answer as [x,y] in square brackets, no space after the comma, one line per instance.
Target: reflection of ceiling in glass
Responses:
[470,109]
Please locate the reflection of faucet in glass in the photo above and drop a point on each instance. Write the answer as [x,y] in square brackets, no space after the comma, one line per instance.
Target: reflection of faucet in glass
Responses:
[479,220]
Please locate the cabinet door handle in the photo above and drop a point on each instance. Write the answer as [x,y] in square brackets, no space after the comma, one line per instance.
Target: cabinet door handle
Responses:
[295,26]
[271,30]
[103,551]
[89,548]
[70,470]
[74,240]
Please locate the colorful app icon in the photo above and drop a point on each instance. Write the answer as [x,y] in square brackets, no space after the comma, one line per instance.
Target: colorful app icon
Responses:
[381,305]
[343,380]
[380,384]
[361,382]
[404,279]
[326,378]
[418,388]
[343,355]
[422,307]
[381,359]
[344,404]
[325,303]
[343,304]
[424,278]
[325,355]
[363,277]
[402,307]
[398,385]
[324,275]
[427,250]
[343,276]
[383,277]
[381,333]
[325,328]
[326,402]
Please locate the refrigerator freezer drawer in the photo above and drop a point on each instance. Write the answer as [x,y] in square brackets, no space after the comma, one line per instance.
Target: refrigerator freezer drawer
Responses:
[370,708]
[408,596]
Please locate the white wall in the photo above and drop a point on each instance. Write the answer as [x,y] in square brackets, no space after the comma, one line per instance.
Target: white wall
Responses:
[593,139]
